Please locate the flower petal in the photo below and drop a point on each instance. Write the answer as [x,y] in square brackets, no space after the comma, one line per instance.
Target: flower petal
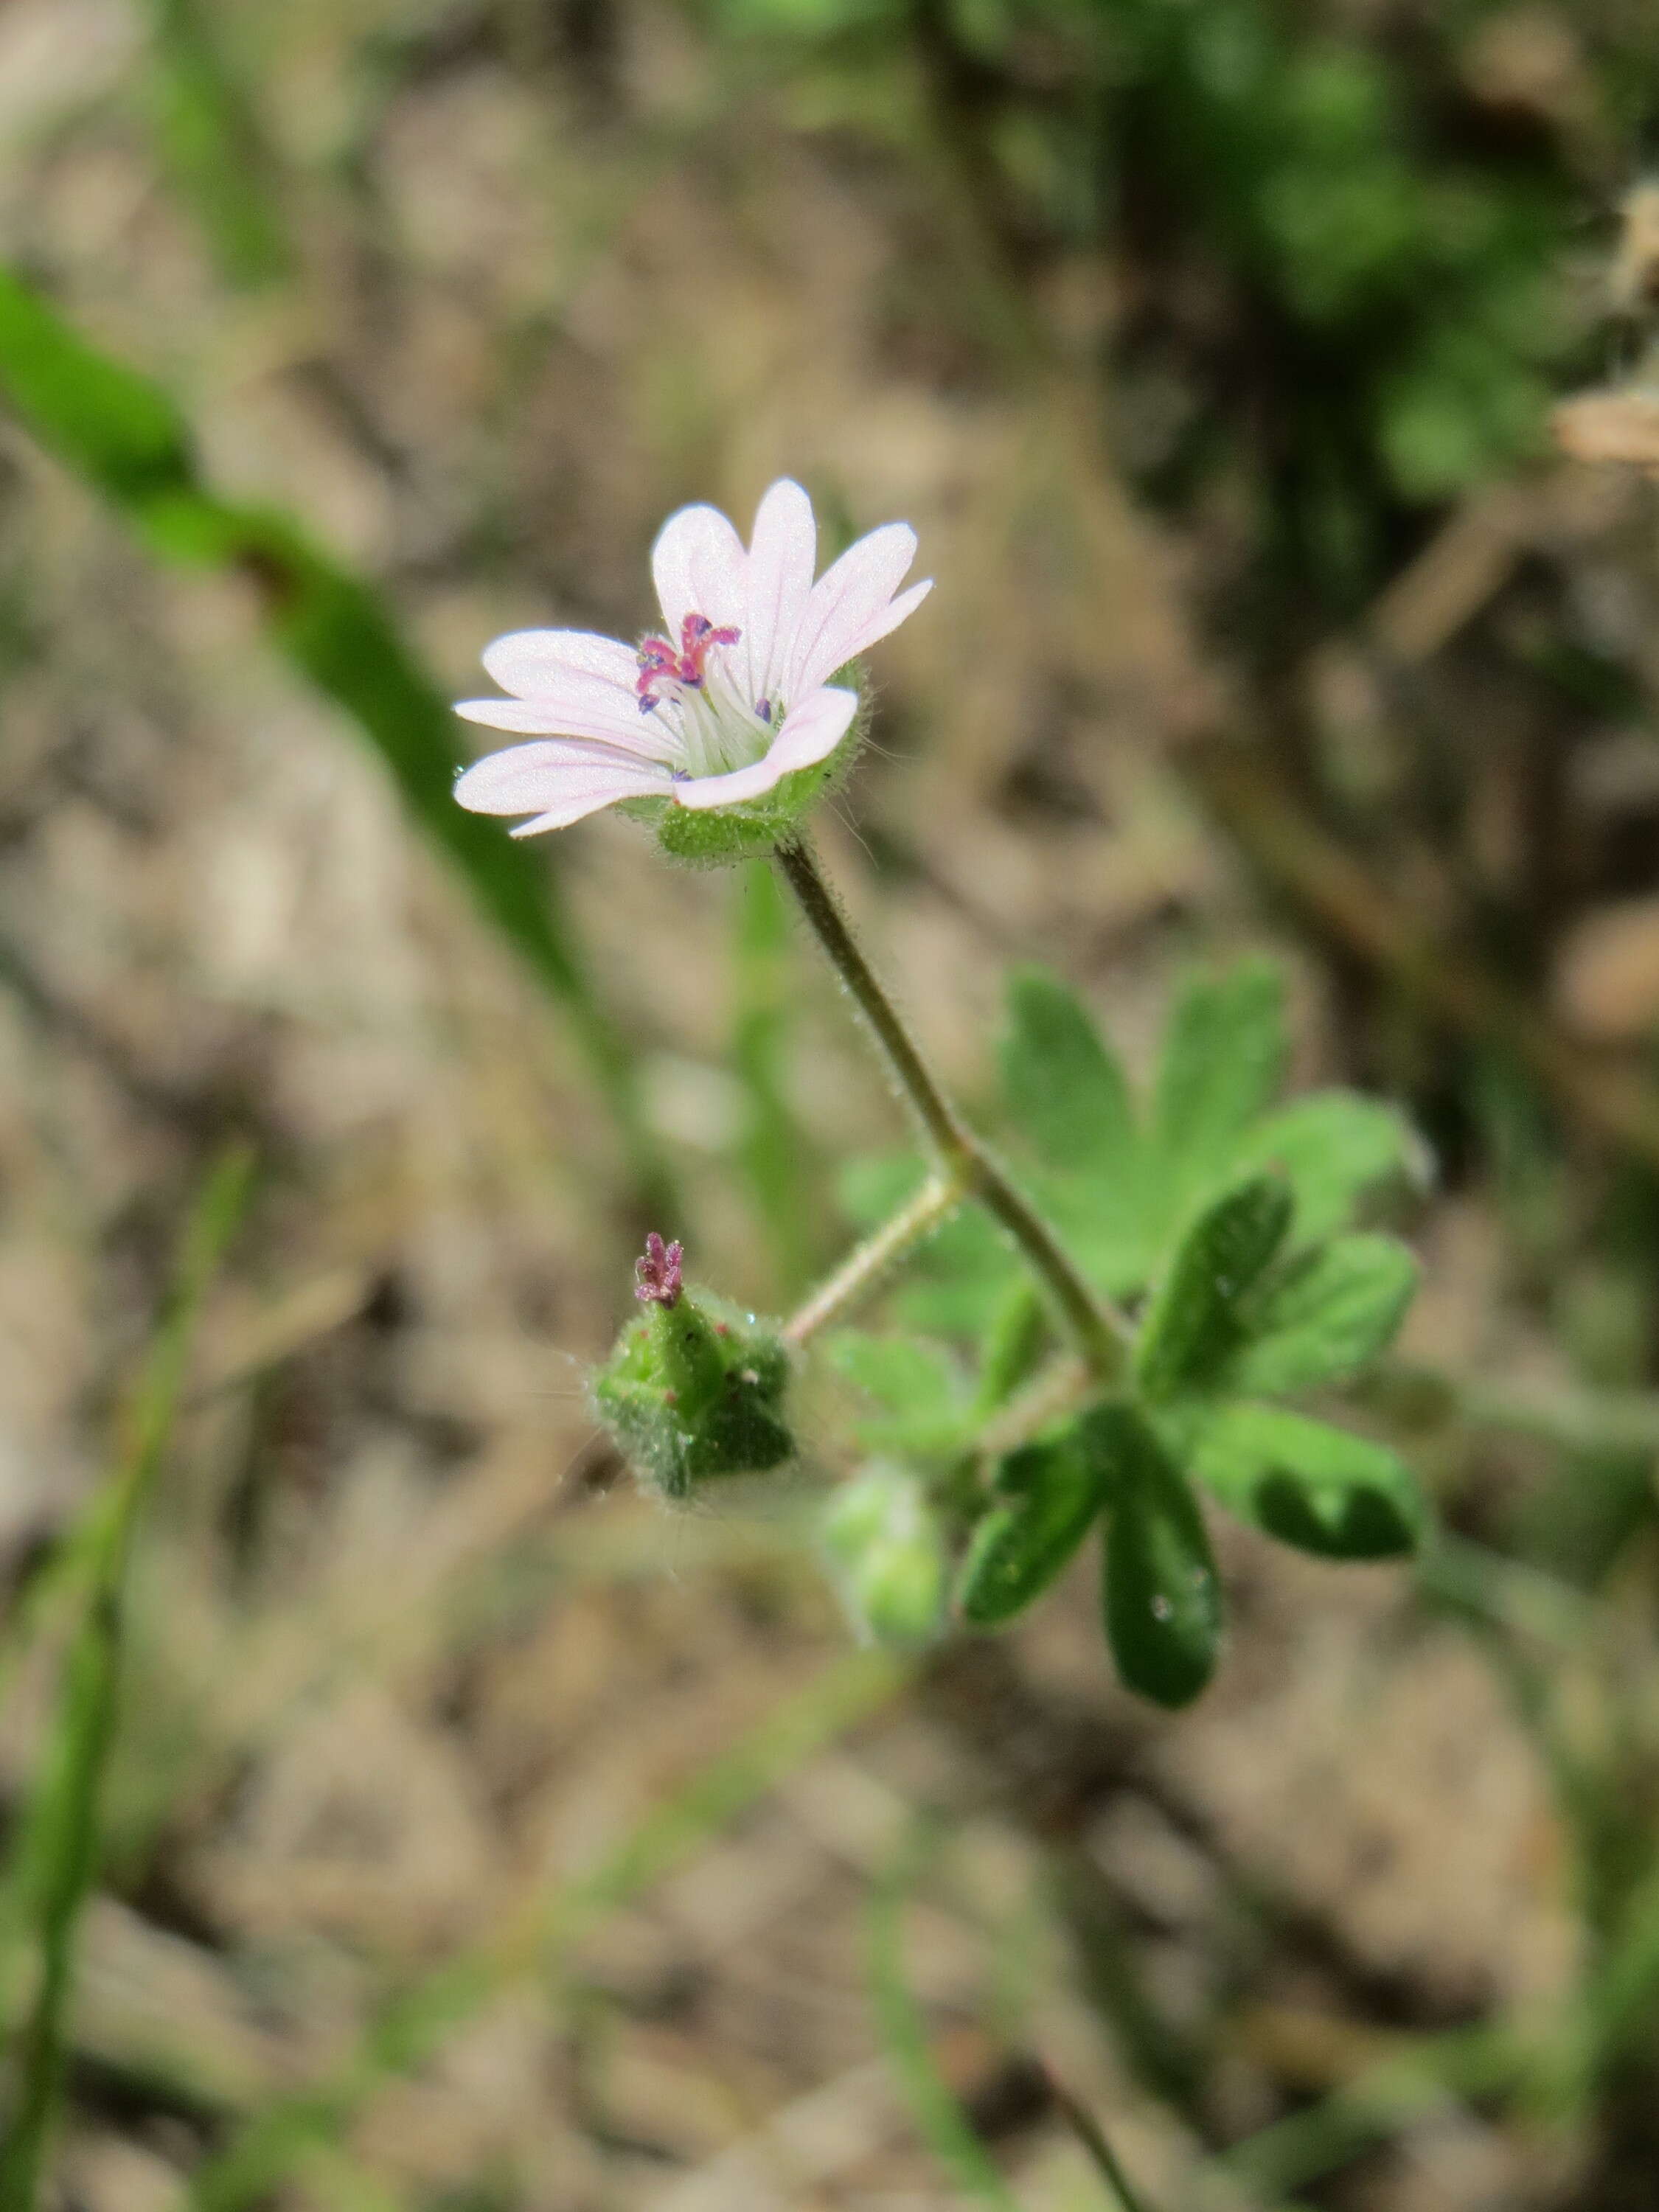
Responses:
[886,619]
[810,733]
[583,707]
[698,562]
[782,556]
[527,662]
[554,776]
[571,809]
[845,599]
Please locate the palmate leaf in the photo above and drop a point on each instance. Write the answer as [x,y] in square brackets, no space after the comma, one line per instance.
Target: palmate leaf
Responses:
[1326,1317]
[1224,1058]
[1162,1597]
[1197,1321]
[1069,1101]
[923,1394]
[1321,1489]
[1012,1343]
[1333,1147]
[1066,1087]
[1121,1193]
[1048,1494]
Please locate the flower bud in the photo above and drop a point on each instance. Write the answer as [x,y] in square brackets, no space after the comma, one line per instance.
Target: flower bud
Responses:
[694,1388]
[886,1552]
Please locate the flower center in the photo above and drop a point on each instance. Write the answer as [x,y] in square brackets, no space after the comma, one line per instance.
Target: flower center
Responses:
[661,666]
[719,727]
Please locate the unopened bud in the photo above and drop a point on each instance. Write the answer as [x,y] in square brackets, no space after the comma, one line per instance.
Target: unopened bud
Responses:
[694,1388]
[887,1553]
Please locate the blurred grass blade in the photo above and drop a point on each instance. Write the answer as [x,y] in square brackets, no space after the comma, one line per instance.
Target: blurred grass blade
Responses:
[413,2024]
[939,2118]
[59,1852]
[209,137]
[124,435]
[1122,2195]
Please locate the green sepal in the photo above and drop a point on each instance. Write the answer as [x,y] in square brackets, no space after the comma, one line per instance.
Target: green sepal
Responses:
[887,1554]
[1321,1489]
[695,1390]
[754,828]
[1198,1316]
[1162,1595]
[1050,1491]
[1326,1315]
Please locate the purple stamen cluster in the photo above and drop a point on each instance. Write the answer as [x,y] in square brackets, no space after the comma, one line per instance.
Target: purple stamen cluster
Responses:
[657,1276]
[659,663]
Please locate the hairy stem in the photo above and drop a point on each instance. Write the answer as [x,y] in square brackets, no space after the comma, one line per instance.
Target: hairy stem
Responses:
[864,1267]
[962,1158]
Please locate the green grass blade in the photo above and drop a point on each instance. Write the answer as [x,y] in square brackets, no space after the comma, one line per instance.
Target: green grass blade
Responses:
[939,2118]
[209,137]
[126,438]
[59,1852]
[1121,2193]
[413,2024]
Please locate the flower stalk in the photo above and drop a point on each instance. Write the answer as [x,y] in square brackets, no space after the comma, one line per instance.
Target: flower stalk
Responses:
[864,1267]
[964,1163]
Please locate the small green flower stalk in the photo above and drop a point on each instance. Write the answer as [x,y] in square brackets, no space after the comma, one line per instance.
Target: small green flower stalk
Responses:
[1131,1312]
[695,1387]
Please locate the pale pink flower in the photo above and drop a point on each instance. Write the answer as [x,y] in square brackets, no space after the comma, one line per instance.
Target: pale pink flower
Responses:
[733,696]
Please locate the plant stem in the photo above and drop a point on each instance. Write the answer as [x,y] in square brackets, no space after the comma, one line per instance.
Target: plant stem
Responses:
[858,1275]
[962,1158]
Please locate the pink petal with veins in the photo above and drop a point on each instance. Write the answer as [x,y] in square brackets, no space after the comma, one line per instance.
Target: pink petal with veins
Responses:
[782,556]
[528,662]
[550,777]
[810,733]
[885,620]
[845,601]
[582,707]
[698,562]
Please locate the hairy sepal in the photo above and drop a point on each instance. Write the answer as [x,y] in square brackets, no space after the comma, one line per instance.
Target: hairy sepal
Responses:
[694,1391]
[725,835]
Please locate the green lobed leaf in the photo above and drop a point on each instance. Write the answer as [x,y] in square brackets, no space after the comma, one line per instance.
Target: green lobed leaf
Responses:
[1320,1488]
[1066,1087]
[1333,1147]
[1052,1489]
[918,1386]
[1012,1344]
[1327,1315]
[1162,1594]
[1196,1320]
[1223,1058]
